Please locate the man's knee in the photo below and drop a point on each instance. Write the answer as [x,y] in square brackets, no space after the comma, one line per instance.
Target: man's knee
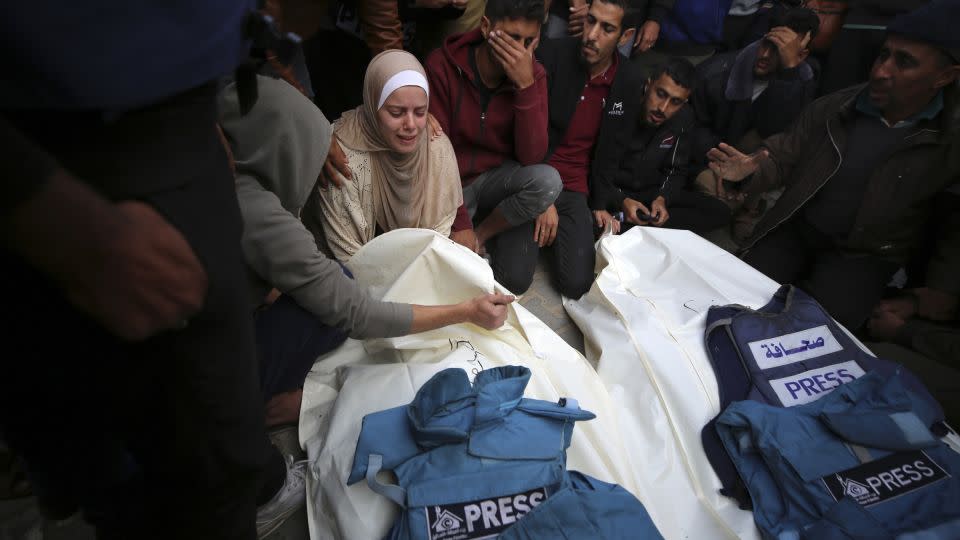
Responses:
[574,274]
[543,185]
[544,180]
[514,264]
[516,279]
[574,287]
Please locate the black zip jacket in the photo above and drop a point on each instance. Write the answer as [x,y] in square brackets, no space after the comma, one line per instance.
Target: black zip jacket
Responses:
[657,160]
[566,77]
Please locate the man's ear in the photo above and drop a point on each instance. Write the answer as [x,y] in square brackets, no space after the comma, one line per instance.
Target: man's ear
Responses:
[627,37]
[948,76]
[485,26]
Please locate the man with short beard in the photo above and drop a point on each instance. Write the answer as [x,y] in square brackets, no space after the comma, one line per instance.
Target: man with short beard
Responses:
[650,185]
[862,168]
[593,105]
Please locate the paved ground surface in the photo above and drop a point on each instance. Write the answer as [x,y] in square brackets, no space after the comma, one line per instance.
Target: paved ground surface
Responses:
[20,519]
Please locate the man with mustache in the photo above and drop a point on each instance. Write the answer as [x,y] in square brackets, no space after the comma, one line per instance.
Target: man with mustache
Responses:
[862,168]
[592,107]
[652,176]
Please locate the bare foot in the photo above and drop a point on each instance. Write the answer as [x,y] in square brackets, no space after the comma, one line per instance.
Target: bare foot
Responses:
[284,408]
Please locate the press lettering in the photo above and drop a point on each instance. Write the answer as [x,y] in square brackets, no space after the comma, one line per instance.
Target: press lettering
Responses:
[489,509]
[807,385]
[844,374]
[887,479]
[520,504]
[472,512]
[899,475]
[817,384]
[914,475]
[793,387]
[506,511]
[485,518]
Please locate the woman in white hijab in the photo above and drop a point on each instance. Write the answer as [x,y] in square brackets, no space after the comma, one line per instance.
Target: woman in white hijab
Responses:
[400,178]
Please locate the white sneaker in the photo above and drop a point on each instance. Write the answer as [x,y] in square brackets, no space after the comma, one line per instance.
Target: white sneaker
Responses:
[288,500]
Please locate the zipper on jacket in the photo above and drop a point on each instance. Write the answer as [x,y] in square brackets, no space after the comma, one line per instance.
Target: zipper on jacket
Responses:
[473,151]
[673,163]
[791,214]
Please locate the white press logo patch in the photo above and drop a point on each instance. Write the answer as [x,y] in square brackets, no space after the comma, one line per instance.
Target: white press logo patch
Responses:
[478,520]
[791,348]
[616,109]
[885,478]
[813,384]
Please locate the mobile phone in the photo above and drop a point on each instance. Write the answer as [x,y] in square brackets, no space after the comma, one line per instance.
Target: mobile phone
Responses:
[643,217]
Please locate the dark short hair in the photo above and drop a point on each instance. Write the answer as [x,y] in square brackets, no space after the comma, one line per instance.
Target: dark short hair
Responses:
[800,20]
[631,15]
[531,10]
[679,69]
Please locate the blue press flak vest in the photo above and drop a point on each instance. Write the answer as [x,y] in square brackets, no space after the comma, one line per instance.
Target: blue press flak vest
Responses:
[861,462]
[787,353]
[480,461]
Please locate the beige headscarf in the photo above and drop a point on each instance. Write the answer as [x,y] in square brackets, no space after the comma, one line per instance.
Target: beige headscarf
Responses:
[406,187]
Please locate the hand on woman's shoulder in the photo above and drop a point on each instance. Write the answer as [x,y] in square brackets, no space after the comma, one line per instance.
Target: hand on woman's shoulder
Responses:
[441,143]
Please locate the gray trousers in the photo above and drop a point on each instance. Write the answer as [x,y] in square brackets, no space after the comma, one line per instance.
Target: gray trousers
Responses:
[521,194]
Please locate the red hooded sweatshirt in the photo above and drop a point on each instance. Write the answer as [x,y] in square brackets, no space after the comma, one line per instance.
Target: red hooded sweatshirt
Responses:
[513,126]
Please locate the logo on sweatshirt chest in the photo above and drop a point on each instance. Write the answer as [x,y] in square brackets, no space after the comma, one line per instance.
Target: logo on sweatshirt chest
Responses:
[616,109]
[668,142]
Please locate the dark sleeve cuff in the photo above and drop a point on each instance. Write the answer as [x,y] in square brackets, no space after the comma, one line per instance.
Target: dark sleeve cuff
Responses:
[657,13]
[792,74]
[462,221]
[24,167]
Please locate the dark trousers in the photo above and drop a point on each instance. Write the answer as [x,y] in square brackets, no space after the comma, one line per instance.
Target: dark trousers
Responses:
[847,285]
[572,253]
[289,340]
[158,439]
[690,210]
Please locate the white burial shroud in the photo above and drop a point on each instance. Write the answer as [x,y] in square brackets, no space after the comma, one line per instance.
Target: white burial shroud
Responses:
[652,391]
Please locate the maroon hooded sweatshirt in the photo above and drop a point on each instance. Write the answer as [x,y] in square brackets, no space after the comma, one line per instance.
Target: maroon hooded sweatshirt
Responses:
[513,126]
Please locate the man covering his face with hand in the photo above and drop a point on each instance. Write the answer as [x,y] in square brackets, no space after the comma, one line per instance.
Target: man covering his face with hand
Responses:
[489,95]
